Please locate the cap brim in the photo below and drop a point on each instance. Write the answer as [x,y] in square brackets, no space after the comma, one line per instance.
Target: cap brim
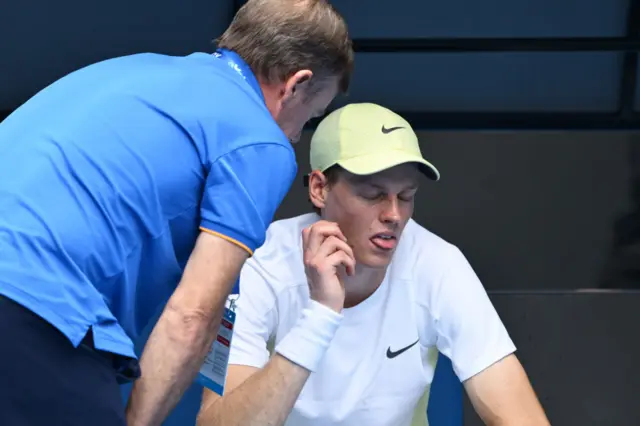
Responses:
[375,163]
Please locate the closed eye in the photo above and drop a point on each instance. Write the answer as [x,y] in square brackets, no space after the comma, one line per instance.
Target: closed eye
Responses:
[372,196]
[408,195]
[381,195]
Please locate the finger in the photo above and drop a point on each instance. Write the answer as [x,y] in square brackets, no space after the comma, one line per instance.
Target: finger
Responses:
[340,258]
[329,228]
[331,245]
[321,231]
[305,236]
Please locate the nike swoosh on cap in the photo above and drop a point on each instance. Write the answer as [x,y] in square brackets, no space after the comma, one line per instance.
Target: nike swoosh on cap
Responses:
[390,129]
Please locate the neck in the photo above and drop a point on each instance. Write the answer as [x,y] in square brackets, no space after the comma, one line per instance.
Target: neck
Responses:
[362,285]
[270,94]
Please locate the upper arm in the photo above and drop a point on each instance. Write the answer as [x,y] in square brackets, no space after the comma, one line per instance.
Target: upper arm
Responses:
[243,189]
[256,315]
[502,395]
[471,334]
[238,202]
[469,330]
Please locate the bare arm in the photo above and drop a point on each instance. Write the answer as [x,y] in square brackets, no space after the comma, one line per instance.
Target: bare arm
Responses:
[180,340]
[266,396]
[503,396]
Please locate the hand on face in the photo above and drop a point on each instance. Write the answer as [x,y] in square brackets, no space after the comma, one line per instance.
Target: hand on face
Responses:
[326,257]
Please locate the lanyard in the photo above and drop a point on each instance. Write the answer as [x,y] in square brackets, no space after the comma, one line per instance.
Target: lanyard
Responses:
[213,371]
[238,65]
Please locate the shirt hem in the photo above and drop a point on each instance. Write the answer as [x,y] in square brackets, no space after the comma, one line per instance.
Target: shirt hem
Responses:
[72,331]
[488,362]
[228,234]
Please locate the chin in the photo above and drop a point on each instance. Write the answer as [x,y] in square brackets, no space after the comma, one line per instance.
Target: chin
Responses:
[375,260]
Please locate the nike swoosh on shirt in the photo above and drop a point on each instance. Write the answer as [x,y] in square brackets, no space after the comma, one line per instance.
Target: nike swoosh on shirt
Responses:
[392,354]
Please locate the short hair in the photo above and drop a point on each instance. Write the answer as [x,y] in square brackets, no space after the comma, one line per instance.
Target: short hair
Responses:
[277,38]
[332,174]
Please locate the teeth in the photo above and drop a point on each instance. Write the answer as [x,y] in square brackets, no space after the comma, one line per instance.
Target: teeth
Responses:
[385,237]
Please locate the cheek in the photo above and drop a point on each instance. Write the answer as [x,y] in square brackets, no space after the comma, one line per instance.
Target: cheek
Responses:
[407,212]
[357,232]
[355,221]
[304,115]
[296,110]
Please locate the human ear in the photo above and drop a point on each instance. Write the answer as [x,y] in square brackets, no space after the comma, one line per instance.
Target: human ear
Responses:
[295,85]
[317,188]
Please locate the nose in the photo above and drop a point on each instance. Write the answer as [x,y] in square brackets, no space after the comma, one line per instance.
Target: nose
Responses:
[391,211]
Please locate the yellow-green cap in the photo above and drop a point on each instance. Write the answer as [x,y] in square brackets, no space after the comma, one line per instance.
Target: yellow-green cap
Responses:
[365,138]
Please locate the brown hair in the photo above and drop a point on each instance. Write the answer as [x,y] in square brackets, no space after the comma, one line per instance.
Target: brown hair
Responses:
[277,38]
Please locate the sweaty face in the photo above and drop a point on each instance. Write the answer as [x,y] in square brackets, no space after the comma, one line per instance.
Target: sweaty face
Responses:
[372,211]
[298,109]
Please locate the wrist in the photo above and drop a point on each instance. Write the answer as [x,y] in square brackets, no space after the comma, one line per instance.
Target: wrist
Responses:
[307,342]
[335,304]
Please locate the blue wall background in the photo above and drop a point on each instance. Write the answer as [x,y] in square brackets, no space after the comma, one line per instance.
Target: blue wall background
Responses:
[45,40]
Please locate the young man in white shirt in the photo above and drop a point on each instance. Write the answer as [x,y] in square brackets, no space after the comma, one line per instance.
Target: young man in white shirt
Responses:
[342,313]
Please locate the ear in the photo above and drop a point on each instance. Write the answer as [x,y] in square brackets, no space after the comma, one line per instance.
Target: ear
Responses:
[317,188]
[296,85]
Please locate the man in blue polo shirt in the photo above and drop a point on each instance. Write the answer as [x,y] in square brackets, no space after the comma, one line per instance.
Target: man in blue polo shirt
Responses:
[143,183]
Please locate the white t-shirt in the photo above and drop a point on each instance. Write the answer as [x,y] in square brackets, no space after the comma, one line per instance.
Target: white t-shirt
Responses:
[430,294]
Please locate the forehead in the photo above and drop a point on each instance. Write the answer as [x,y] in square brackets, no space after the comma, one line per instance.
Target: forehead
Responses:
[405,175]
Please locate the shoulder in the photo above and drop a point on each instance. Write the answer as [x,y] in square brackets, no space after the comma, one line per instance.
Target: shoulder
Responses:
[203,96]
[228,105]
[279,259]
[436,271]
[288,232]
[443,285]
[424,256]
[283,244]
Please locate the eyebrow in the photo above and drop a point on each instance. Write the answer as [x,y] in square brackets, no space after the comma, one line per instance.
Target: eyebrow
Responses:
[376,186]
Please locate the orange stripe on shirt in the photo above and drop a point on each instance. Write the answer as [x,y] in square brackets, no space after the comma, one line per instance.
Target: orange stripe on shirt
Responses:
[231,240]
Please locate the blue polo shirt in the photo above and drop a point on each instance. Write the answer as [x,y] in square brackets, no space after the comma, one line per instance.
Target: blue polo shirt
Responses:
[108,175]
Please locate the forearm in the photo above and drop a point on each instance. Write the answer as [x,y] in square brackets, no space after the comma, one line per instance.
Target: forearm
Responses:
[268,395]
[180,340]
[170,360]
[537,420]
[266,398]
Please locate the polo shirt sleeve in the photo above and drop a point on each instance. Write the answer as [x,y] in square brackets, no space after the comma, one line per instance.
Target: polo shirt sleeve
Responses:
[468,328]
[243,189]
